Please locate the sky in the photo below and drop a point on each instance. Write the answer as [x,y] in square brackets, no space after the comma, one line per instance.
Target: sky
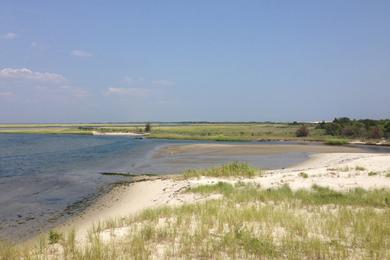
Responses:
[205,60]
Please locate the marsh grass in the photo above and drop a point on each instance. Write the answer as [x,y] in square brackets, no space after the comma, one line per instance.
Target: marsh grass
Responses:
[235,169]
[249,222]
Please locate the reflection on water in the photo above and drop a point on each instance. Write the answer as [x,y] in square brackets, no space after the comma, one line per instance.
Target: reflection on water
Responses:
[40,175]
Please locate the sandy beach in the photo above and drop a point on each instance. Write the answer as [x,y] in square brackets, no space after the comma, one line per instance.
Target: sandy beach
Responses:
[338,171]
[158,205]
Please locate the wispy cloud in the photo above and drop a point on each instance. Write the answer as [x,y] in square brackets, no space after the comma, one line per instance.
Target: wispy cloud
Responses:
[137,92]
[81,53]
[9,36]
[27,74]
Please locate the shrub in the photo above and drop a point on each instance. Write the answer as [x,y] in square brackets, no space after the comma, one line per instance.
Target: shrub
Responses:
[302,131]
[148,127]
[332,129]
[376,133]
[347,131]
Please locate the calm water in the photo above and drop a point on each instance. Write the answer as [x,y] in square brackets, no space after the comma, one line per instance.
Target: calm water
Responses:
[42,177]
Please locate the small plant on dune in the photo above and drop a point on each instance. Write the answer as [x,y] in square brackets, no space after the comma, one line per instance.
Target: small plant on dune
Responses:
[388,175]
[372,173]
[304,175]
[54,237]
[360,168]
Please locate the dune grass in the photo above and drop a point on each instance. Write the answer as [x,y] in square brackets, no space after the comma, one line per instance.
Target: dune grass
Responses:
[235,169]
[247,223]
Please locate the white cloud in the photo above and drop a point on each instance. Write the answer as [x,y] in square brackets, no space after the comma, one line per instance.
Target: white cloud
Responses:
[163,82]
[9,36]
[27,74]
[81,53]
[138,92]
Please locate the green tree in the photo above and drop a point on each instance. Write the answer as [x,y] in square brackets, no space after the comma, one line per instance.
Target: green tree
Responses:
[148,127]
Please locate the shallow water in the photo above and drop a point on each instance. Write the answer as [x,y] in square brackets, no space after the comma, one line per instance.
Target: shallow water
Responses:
[42,175]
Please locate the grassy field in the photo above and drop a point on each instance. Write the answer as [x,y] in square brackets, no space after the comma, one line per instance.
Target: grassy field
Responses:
[196,131]
[246,222]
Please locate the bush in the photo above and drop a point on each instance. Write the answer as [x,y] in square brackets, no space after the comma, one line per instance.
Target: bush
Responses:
[148,128]
[332,129]
[376,133]
[302,131]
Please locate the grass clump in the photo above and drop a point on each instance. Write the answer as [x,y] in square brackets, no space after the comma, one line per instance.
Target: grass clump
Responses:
[360,168]
[336,141]
[372,173]
[304,175]
[235,169]
[54,237]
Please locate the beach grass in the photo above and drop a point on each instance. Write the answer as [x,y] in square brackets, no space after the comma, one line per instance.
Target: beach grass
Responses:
[235,169]
[248,222]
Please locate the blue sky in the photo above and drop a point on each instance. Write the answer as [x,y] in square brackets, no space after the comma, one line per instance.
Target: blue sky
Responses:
[84,61]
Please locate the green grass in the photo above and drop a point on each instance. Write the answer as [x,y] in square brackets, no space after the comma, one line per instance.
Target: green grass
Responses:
[194,131]
[190,131]
[235,169]
[247,223]
[372,173]
[336,141]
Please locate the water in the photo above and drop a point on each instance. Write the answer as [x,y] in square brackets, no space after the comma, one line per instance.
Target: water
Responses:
[41,176]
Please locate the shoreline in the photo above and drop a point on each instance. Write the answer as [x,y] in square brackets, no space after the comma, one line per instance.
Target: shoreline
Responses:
[131,198]
[319,189]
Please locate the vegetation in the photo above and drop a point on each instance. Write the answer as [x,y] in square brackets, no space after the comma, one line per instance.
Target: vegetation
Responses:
[339,131]
[360,168]
[148,128]
[304,175]
[336,141]
[54,237]
[235,169]
[303,131]
[247,222]
[362,129]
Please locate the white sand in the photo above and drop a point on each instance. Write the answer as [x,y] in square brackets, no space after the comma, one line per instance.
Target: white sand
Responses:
[336,170]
